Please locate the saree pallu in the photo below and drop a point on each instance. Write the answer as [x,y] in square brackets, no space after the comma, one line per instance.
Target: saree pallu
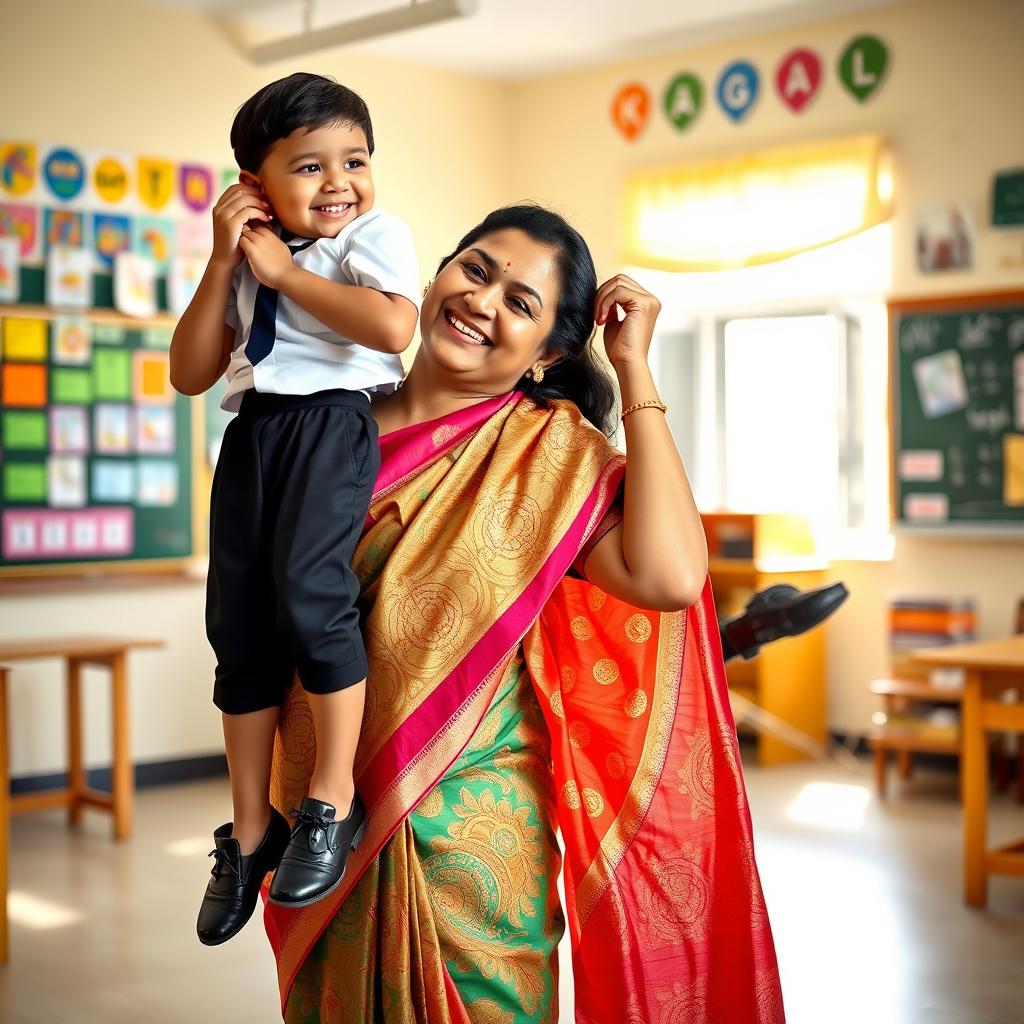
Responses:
[505,697]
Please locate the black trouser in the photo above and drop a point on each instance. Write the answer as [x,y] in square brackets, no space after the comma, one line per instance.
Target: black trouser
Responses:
[290,494]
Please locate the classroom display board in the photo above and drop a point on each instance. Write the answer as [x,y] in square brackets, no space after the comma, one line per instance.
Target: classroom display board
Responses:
[95,445]
[958,411]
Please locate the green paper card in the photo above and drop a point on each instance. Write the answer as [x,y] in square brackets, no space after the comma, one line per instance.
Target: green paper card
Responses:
[70,387]
[157,337]
[25,481]
[107,334]
[24,431]
[112,374]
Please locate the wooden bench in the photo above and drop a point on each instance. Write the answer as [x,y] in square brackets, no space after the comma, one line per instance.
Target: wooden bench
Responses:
[111,653]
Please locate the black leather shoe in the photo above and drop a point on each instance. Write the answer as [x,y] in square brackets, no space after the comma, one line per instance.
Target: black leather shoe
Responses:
[314,863]
[778,611]
[232,892]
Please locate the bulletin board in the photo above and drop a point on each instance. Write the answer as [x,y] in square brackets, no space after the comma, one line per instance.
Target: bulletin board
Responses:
[96,448]
[957,416]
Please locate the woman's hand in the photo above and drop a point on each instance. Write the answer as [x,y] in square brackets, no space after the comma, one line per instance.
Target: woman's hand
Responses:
[268,256]
[628,340]
[239,204]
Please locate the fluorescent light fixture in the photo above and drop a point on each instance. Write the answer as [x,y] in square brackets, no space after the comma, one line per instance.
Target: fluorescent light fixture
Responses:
[372,26]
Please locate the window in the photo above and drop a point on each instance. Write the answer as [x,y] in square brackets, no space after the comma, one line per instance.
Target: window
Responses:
[776,383]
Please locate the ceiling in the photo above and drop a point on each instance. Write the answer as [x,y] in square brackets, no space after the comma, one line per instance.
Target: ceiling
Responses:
[517,39]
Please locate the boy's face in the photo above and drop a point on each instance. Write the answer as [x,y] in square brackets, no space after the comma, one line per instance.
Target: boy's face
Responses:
[317,182]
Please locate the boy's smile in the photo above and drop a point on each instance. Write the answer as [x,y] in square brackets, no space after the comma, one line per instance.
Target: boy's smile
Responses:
[317,181]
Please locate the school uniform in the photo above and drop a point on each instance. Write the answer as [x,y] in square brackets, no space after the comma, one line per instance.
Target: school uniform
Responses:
[296,472]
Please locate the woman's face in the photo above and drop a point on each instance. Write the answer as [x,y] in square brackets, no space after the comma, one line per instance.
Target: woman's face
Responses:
[488,312]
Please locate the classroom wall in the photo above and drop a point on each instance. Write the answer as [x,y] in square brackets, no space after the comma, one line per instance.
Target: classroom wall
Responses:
[951,111]
[150,80]
[450,148]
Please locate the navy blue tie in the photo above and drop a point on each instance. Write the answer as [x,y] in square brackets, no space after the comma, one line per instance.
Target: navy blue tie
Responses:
[263,331]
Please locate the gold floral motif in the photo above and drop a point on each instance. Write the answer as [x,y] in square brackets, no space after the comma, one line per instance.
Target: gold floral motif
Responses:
[674,898]
[568,677]
[592,801]
[606,671]
[582,628]
[571,795]
[636,704]
[486,870]
[680,1004]
[579,734]
[487,1011]
[616,765]
[596,599]
[768,997]
[556,704]
[698,775]
[638,628]
[432,804]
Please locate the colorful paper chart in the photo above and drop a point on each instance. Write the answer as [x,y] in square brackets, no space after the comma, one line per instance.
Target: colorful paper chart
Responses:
[24,481]
[24,384]
[108,334]
[71,387]
[25,338]
[112,374]
[24,431]
[153,379]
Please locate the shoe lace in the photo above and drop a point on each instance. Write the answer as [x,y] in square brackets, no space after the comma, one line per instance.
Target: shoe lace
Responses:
[317,822]
[221,859]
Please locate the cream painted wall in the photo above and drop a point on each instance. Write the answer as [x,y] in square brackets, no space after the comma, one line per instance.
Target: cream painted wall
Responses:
[450,148]
[951,109]
[150,80]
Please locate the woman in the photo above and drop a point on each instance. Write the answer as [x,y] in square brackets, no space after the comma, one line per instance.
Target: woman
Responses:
[544,653]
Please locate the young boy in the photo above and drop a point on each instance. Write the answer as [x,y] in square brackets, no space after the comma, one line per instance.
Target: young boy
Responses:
[308,298]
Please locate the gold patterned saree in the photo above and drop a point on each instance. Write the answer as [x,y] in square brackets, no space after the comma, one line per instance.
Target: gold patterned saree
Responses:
[507,699]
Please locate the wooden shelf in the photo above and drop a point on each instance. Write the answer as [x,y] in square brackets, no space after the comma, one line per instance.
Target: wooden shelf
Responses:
[104,316]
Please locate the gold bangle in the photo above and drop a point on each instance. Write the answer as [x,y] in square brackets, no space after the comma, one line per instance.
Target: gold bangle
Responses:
[644,405]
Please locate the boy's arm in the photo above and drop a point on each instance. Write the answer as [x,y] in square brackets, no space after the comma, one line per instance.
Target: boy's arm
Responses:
[378,320]
[202,341]
[379,312]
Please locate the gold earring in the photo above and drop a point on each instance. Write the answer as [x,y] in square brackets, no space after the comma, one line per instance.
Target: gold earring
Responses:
[427,286]
[537,373]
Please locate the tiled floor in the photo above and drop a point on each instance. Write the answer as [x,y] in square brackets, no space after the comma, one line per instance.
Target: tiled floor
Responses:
[864,898]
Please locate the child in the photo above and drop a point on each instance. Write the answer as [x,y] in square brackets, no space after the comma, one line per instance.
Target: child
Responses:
[308,298]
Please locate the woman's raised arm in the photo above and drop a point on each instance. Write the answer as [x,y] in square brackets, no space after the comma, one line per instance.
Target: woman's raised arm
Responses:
[657,557]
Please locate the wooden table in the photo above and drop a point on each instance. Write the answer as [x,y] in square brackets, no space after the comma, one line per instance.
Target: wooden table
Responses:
[110,652]
[992,669]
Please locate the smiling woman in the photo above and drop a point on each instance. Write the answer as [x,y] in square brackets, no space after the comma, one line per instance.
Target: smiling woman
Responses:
[543,654]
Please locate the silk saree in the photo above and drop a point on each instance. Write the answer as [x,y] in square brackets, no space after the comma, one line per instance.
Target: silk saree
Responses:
[507,698]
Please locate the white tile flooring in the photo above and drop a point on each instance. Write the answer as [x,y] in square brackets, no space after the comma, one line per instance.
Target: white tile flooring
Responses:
[864,899]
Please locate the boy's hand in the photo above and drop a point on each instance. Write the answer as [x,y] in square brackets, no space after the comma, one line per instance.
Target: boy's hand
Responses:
[269,257]
[238,205]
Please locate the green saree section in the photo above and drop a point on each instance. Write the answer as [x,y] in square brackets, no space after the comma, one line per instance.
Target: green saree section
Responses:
[468,881]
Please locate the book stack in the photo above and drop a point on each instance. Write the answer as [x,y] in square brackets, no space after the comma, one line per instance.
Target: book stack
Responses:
[930,622]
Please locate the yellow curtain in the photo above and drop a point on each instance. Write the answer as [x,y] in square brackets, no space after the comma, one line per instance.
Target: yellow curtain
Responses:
[757,207]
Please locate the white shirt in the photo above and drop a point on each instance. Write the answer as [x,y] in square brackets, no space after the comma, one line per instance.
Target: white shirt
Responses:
[374,251]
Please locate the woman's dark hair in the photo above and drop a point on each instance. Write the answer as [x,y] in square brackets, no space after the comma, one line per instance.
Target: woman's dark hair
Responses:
[298,101]
[577,374]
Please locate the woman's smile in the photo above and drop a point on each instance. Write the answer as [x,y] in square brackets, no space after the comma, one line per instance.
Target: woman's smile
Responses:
[461,331]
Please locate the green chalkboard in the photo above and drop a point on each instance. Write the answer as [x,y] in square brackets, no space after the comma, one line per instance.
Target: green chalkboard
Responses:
[958,411]
[96,448]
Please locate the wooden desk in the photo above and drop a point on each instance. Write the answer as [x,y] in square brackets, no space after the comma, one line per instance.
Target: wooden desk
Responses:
[991,669]
[77,651]
[108,652]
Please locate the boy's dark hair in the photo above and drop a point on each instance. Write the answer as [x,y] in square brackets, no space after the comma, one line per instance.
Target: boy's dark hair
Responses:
[298,101]
[577,374]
